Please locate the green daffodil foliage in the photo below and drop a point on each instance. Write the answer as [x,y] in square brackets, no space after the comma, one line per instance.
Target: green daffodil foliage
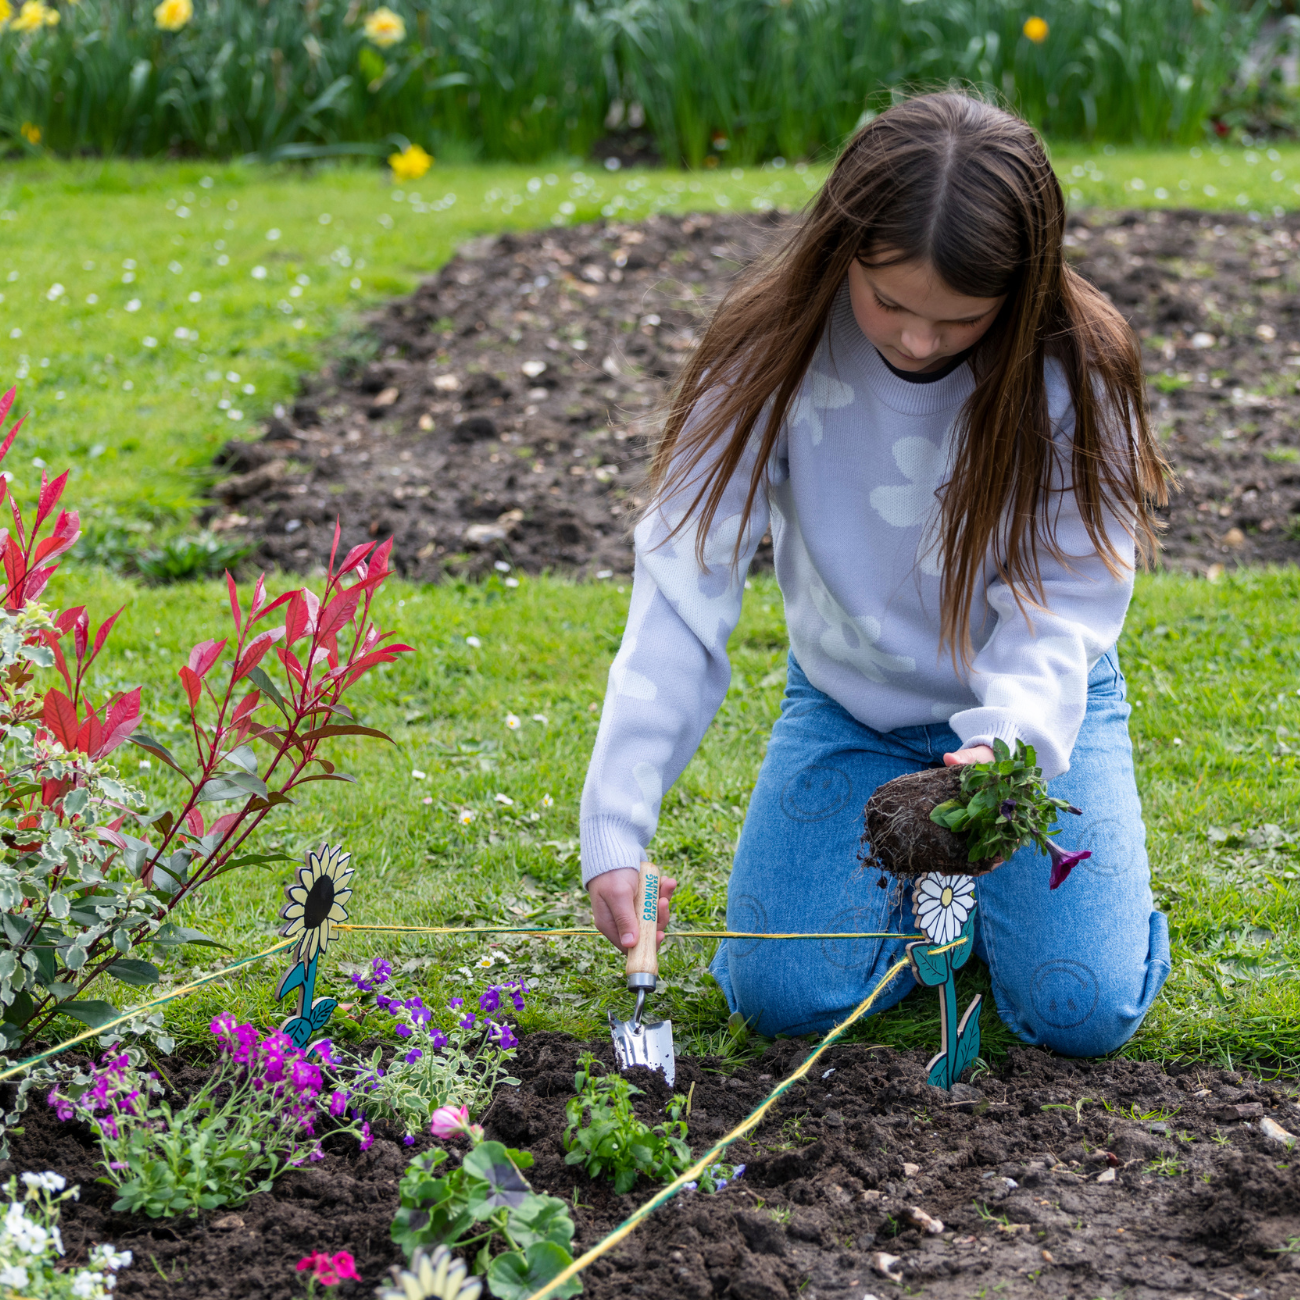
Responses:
[935,965]
[1003,805]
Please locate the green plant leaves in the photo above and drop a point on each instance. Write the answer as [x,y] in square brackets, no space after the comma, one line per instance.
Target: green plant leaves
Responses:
[92,1013]
[516,1275]
[130,970]
[494,1182]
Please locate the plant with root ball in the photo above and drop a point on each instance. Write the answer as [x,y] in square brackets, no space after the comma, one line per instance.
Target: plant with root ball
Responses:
[1003,806]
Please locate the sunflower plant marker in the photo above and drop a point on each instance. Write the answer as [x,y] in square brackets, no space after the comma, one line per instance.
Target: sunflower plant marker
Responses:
[317,902]
[945,911]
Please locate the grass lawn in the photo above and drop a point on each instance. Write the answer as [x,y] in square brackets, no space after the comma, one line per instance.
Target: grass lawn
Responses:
[136,408]
[1214,676]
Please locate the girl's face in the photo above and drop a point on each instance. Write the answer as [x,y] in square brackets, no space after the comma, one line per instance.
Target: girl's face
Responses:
[912,318]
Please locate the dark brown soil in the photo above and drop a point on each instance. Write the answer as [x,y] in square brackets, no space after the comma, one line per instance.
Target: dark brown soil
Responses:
[902,838]
[541,470]
[1197,1201]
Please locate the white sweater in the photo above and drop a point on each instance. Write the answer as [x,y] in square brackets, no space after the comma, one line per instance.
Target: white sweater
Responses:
[850,501]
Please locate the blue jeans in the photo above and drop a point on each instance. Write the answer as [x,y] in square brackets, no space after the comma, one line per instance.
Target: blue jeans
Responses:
[1074,969]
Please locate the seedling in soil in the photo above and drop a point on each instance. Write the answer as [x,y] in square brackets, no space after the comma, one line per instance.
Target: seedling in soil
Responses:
[485,1199]
[613,1142]
[1166,1167]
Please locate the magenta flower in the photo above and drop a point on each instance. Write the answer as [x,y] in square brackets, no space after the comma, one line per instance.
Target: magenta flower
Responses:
[338,1103]
[452,1121]
[1063,863]
[367,1138]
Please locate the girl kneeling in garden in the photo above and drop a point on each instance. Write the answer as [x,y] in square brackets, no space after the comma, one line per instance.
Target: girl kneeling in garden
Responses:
[943,427]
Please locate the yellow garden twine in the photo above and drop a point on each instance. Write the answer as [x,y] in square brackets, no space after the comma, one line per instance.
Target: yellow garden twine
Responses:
[128,1016]
[591,930]
[750,1121]
[162,1000]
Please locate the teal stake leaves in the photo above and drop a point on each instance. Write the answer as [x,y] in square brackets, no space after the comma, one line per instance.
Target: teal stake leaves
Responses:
[317,903]
[945,910]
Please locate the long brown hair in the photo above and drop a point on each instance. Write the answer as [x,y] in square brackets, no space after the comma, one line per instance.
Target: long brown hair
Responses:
[967,187]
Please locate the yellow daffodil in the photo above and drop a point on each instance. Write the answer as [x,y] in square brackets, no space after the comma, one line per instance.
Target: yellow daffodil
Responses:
[30,132]
[6,13]
[172,15]
[410,164]
[35,14]
[384,27]
[1036,29]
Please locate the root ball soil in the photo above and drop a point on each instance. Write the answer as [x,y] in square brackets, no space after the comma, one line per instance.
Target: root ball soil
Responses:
[903,839]
[1050,1177]
[500,413]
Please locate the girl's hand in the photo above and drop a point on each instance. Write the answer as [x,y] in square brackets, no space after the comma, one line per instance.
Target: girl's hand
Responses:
[613,900]
[976,754]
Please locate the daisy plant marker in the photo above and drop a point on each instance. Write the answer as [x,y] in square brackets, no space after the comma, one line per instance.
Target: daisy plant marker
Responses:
[945,911]
[317,902]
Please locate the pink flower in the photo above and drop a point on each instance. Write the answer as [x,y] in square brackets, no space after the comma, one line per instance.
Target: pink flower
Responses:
[367,1138]
[338,1103]
[1063,863]
[345,1267]
[449,1122]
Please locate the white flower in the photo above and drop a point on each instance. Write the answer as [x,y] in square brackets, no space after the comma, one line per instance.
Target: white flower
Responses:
[473,642]
[13,1275]
[540,717]
[942,904]
[505,799]
[485,962]
[104,1256]
[133,305]
[512,722]
[467,815]
[259,273]
[417,775]
[48,1181]
[85,1286]
[547,801]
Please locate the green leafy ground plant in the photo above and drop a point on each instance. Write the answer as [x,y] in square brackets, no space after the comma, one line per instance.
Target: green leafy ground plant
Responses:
[604,1137]
[485,1201]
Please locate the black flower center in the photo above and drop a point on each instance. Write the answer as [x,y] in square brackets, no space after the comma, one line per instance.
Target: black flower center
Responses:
[320,898]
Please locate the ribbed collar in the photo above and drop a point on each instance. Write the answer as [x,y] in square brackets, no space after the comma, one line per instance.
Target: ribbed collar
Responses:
[849,349]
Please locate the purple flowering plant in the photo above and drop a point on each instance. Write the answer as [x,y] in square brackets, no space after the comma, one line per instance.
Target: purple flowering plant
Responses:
[452,1057]
[256,1116]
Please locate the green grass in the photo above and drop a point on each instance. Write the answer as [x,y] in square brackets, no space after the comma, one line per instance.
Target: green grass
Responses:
[1213,666]
[139,424]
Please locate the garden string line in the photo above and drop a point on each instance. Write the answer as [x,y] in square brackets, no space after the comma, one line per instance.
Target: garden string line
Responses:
[591,930]
[749,1122]
[127,1016]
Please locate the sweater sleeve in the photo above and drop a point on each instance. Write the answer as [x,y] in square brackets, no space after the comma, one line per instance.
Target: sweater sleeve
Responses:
[671,673]
[1031,676]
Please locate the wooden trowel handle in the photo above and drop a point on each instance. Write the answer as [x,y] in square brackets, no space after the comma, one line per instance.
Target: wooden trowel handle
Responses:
[643,956]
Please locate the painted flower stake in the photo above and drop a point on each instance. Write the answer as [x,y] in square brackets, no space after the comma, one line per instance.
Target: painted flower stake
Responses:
[317,902]
[945,910]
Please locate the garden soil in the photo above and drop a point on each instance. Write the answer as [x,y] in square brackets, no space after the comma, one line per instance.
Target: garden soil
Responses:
[499,415]
[1048,1177]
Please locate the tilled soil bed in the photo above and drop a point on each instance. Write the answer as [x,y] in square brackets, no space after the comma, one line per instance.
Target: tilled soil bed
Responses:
[1051,1177]
[504,416]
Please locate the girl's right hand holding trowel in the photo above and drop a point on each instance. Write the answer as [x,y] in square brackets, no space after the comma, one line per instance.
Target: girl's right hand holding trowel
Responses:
[614,902]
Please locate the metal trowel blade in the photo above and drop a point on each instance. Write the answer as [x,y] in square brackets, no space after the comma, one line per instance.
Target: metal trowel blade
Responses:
[650,1043]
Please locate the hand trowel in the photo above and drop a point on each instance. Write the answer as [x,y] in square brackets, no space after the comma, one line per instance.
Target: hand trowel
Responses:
[638,1041]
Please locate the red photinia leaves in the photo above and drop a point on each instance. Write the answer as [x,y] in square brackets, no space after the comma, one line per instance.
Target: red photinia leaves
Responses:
[201,659]
[93,736]
[77,622]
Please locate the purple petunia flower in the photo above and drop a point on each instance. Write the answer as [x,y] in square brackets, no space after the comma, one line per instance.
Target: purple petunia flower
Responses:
[412,1056]
[408,1141]
[1063,863]
[403,1031]
[468,1021]
[437,1040]
[1008,807]
[490,1000]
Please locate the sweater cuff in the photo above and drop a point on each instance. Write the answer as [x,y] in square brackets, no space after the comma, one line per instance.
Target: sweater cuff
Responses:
[977,727]
[607,844]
